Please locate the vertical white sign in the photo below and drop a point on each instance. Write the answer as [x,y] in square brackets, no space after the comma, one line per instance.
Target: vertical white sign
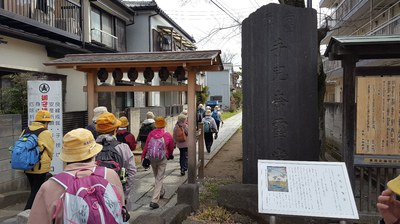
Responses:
[47,95]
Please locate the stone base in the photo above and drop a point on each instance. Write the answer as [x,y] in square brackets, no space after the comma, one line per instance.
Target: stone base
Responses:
[189,194]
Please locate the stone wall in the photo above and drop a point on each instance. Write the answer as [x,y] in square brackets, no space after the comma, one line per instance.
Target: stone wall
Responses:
[10,180]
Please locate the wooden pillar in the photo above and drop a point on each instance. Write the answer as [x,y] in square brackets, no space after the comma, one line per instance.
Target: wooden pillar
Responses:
[192,127]
[349,114]
[91,94]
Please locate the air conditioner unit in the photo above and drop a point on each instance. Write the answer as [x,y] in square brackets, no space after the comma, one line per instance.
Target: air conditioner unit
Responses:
[67,24]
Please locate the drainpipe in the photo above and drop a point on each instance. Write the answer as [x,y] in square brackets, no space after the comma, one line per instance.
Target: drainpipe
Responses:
[82,24]
[147,94]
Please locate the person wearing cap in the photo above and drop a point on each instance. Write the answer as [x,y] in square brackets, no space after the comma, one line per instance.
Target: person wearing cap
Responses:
[181,124]
[78,152]
[388,206]
[208,136]
[159,166]
[96,113]
[199,113]
[146,128]
[107,125]
[37,175]
[216,114]
[124,136]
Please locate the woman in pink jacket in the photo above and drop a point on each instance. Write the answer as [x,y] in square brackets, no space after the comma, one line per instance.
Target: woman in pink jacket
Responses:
[78,152]
[159,166]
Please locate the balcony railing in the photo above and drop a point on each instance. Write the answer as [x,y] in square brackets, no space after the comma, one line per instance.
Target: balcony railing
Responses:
[62,14]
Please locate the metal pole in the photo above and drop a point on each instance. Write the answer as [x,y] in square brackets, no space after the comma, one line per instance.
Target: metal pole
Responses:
[272,219]
[309,4]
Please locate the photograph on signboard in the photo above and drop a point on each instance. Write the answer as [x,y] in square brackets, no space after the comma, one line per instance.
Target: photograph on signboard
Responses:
[301,188]
[277,179]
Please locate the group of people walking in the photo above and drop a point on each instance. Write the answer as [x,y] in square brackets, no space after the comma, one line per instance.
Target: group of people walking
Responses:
[103,150]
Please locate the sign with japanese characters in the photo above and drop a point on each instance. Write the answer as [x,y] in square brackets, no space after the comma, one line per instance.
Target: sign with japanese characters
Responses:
[300,188]
[378,115]
[47,95]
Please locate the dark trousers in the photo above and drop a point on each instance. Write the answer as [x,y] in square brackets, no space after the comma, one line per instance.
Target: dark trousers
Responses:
[208,139]
[35,181]
[218,123]
[183,158]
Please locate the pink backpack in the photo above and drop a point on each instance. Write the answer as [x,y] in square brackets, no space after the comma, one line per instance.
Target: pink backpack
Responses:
[156,149]
[89,199]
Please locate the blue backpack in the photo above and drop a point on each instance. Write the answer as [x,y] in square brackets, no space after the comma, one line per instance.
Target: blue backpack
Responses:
[206,126]
[25,152]
[215,115]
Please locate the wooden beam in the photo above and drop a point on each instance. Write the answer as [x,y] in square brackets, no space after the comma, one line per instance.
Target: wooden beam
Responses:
[192,160]
[349,114]
[145,88]
[377,71]
[91,94]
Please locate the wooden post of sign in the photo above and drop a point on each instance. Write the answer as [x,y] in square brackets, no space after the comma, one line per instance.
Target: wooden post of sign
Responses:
[192,171]
[91,94]
[349,114]
[201,149]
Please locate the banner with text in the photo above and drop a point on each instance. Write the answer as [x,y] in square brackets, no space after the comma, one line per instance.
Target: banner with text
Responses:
[47,95]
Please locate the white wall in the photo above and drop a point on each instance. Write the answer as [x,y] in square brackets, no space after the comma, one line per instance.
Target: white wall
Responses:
[23,55]
[218,83]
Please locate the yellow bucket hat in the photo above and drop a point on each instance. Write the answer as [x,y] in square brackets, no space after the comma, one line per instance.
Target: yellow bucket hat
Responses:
[160,122]
[43,115]
[107,122]
[124,121]
[394,185]
[79,145]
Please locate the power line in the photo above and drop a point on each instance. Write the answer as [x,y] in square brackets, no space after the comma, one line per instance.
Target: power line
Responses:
[226,12]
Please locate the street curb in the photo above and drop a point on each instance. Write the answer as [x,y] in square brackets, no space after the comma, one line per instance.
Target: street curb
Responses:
[13,197]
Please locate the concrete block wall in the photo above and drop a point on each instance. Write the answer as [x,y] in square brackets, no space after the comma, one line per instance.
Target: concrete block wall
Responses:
[10,180]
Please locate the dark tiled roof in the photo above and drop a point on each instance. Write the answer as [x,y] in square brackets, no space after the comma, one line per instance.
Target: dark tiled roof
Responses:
[211,57]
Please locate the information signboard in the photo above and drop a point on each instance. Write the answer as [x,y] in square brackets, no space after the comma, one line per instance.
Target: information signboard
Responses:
[378,116]
[299,188]
[47,95]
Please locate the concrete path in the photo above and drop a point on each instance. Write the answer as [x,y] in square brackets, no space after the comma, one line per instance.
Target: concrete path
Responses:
[140,197]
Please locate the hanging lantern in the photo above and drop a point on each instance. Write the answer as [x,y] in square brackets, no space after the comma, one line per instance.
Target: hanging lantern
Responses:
[180,74]
[132,74]
[102,75]
[148,74]
[163,73]
[117,75]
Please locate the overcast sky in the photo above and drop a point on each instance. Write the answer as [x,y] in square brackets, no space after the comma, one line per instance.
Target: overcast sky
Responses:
[214,27]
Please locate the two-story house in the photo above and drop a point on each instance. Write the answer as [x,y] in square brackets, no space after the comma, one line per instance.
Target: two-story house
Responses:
[155,31]
[357,18]
[33,32]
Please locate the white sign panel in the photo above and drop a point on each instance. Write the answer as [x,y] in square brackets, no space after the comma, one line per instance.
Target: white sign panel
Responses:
[317,189]
[47,95]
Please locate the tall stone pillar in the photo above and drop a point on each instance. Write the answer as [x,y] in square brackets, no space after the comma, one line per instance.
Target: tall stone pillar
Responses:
[280,112]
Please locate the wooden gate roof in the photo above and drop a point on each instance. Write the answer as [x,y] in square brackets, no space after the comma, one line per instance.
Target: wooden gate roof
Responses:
[198,60]
[191,61]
